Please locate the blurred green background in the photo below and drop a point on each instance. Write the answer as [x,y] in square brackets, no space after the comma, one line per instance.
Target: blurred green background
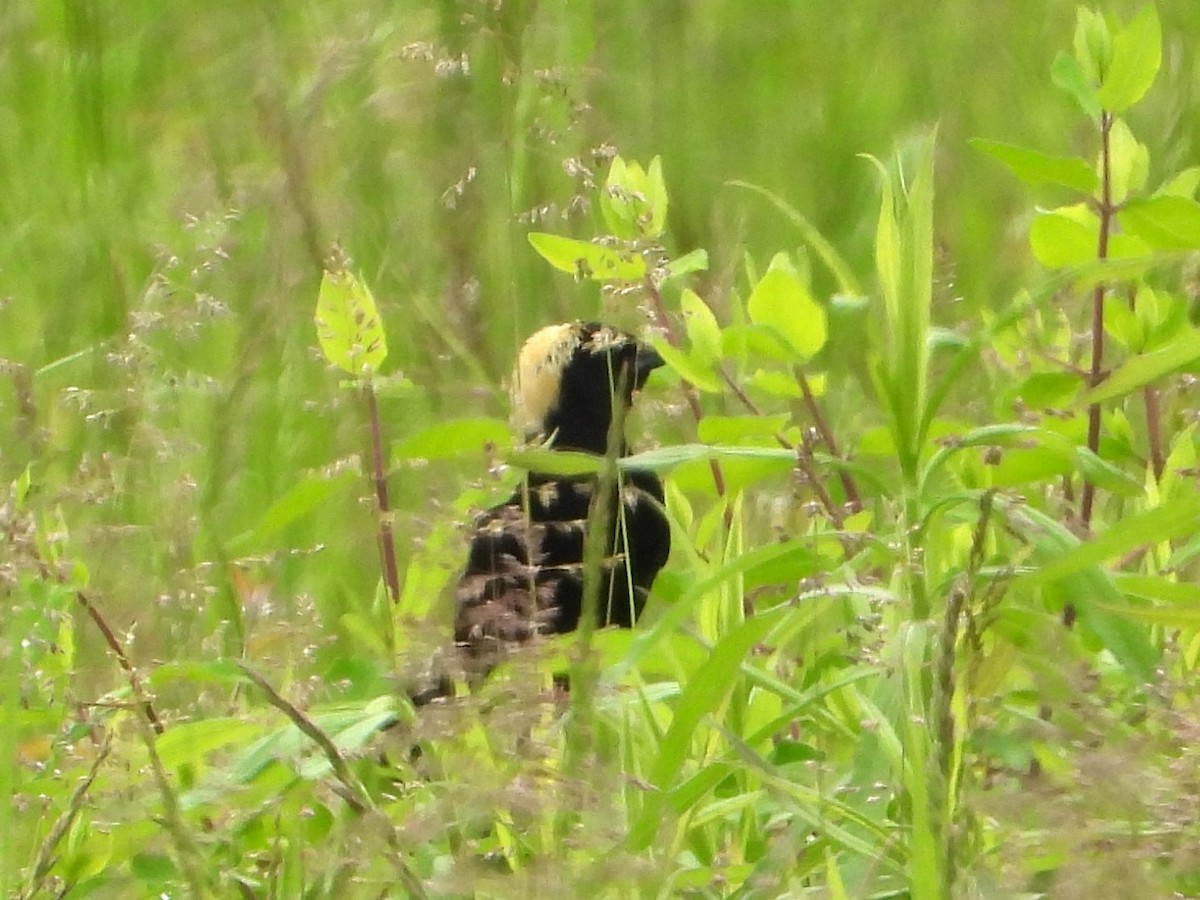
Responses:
[172,175]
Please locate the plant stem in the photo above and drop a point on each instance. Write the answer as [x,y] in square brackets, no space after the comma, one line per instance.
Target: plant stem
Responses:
[1096,375]
[1154,430]
[387,546]
[814,410]
[664,322]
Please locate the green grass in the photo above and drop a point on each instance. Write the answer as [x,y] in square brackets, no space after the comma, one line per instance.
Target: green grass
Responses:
[797,715]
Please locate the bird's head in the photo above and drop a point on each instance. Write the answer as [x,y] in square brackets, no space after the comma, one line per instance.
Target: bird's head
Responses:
[566,378]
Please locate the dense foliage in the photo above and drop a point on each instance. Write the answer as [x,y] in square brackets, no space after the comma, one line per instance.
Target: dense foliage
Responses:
[931,623]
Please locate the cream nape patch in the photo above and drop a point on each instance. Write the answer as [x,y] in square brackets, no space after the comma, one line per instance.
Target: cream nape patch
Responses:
[537,376]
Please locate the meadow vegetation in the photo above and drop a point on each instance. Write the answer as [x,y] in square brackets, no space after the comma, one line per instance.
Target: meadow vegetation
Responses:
[926,283]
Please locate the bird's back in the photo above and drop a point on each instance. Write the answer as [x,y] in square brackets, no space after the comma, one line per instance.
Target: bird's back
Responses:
[524,572]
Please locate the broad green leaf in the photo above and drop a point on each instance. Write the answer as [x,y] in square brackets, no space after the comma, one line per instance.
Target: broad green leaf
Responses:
[1130,162]
[1177,616]
[1148,312]
[348,325]
[1034,167]
[775,383]
[1146,368]
[545,461]
[704,334]
[1092,43]
[1173,519]
[633,201]
[1067,75]
[656,193]
[1073,568]
[1136,56]
[1048,389]
[587,260]
[1182,184]
[692,369]
[1157,587]
[663,459]
[1123,325]
[1059,240]
[781,302]
[756,342]
[733,430]
[454,438]
[693,261]
[1019,466]
[187,743]
[613,205]
[1165,222]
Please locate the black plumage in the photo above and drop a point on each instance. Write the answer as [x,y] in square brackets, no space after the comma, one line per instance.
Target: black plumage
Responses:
[524,572]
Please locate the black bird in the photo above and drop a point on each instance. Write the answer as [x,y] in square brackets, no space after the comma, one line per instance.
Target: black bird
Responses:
[524,572]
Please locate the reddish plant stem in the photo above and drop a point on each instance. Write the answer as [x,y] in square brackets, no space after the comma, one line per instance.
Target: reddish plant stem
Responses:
[1154,430]
[1096,374]
[387,546]
[52,573]
[664,322]
[823,429]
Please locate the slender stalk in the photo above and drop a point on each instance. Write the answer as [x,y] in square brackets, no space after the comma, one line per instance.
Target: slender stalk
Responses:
[55,573]
[1096,374]
[1154,430]
[664,322]
[822,426]
[387,545]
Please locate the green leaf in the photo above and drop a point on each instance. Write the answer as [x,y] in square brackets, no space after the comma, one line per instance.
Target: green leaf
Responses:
[348,324]
[663,459]
[564,463]
[1182,184]
[1165,222]
[1123,325]
[693,261]
[1085,584]
[755,342]
[1146,368]
[1130,162]
[187,743]
[1136,56]
[1092,43]
[741,429]
[1059,240]
[587,260]
[1048,389]
[613,205]
[777,384]
[691,367]
[704,334]
[1173,519]
[1034,167]
[634,201]
[782,303]
[706,690]
[454,438]
[656,192]
[1067,75]
[1157,587]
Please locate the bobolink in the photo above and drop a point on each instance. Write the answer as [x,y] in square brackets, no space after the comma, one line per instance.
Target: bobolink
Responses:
[524,571]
